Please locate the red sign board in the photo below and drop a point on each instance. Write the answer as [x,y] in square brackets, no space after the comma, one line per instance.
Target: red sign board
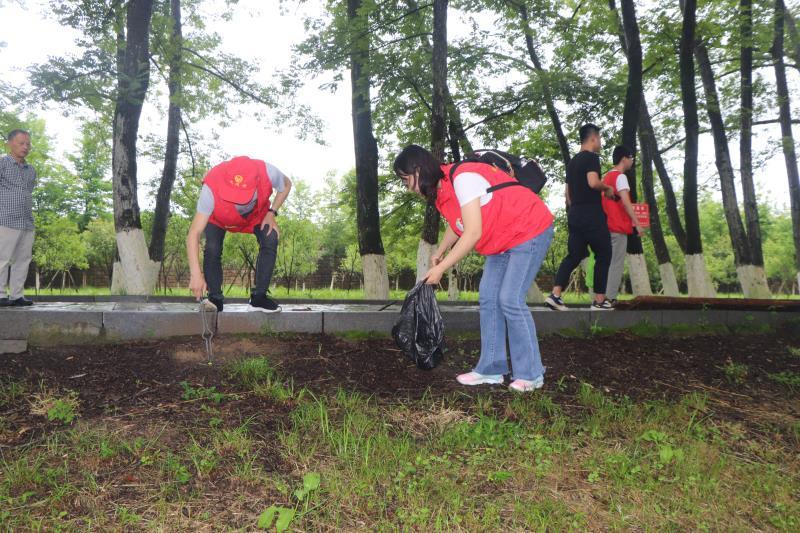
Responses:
[642,212]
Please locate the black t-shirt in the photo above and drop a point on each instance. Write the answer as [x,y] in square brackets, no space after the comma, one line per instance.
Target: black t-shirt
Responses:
[577,169]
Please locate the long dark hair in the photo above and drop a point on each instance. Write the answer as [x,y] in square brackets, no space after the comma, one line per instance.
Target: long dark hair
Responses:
[415,157]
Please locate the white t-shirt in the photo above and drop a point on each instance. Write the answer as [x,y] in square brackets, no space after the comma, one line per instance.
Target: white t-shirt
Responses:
[471,185]
[622,183]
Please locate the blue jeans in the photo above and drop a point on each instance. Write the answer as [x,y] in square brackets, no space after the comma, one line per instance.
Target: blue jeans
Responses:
[503,291]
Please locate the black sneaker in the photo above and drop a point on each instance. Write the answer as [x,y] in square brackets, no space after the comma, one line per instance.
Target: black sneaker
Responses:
[20,302]
[263,303]
[605,305]
[218,303]
[5,302]
[555,303]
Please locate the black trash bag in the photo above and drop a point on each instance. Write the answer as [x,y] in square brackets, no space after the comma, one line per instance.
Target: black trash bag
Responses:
[420,330]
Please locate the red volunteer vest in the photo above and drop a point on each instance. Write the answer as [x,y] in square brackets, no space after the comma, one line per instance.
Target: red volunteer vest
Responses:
[618,219]
[514,214]
[225,214]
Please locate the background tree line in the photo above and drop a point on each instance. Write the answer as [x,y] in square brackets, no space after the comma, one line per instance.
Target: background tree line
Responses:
[518,74]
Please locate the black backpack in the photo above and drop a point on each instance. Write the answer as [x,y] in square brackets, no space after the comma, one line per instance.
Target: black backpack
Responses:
[526,172]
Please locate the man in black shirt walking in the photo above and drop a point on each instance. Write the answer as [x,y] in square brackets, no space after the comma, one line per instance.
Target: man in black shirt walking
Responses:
[586,220]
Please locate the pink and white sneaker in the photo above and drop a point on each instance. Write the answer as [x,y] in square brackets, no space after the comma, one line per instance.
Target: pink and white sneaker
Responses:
[526,385]
[473,378]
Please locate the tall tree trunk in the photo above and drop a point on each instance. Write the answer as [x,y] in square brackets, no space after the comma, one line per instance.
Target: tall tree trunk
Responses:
[547,92]
[637,265]
[459,143]
[673,215]
[785,113]
[133,77]
[746,135]
[373,260]
[752,287]
[669,284]
[430,227]
[162,210]
[696,272]
[794,38]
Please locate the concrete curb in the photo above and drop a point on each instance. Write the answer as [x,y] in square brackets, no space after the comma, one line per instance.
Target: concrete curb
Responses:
[76,323]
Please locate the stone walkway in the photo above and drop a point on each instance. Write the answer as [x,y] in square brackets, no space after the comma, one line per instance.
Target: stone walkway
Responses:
[79,322]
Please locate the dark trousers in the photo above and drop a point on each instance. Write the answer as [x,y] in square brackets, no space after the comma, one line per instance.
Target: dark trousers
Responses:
[587,227]
[212,258]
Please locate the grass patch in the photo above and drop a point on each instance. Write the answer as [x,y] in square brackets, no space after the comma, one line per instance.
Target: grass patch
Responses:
[55,406]
[361,336]
[735,373]
[790,379]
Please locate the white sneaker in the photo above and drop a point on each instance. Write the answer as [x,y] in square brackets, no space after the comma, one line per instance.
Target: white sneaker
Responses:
[525,385]
[473,378]
[555,303]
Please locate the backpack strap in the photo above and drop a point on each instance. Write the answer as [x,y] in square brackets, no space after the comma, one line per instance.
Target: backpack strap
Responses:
[503,186]
[454,167]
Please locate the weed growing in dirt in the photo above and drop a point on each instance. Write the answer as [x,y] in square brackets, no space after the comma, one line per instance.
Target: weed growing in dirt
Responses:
[360,336]
[191,393]
[790,379]
[735,373]
[11,391]
[793,351]
[56,407]
[258,375]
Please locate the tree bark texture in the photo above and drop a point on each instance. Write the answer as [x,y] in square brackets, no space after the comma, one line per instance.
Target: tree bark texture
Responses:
[784,108]
[746,135]
[162,208]
[722,158]
[691,124]
[133,78]
[366,148]
[633,99]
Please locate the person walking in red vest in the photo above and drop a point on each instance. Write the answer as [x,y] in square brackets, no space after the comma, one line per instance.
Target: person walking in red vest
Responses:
[621,218]
[513,228]
[236,197]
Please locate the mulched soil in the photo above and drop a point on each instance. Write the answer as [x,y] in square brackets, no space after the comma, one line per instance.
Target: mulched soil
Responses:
[142,379]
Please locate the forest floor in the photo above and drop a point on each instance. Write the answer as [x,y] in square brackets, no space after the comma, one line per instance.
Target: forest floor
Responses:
[678,429]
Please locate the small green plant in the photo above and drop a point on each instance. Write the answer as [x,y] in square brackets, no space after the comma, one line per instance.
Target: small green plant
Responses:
[285,516]
[202,393]
[10,391]
[358,336]
[62,408]
[793,351]
[126,516]
[790,379]
[251,372]
[735,373]
[596,330]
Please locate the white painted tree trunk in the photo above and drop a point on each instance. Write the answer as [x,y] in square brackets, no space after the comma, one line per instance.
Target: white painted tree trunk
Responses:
[798,282]
[424,252]
[535,295]
[135,273]
[698,278]
[753,280]
[669,283]
[452,286]
[640,277]
[376,277]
